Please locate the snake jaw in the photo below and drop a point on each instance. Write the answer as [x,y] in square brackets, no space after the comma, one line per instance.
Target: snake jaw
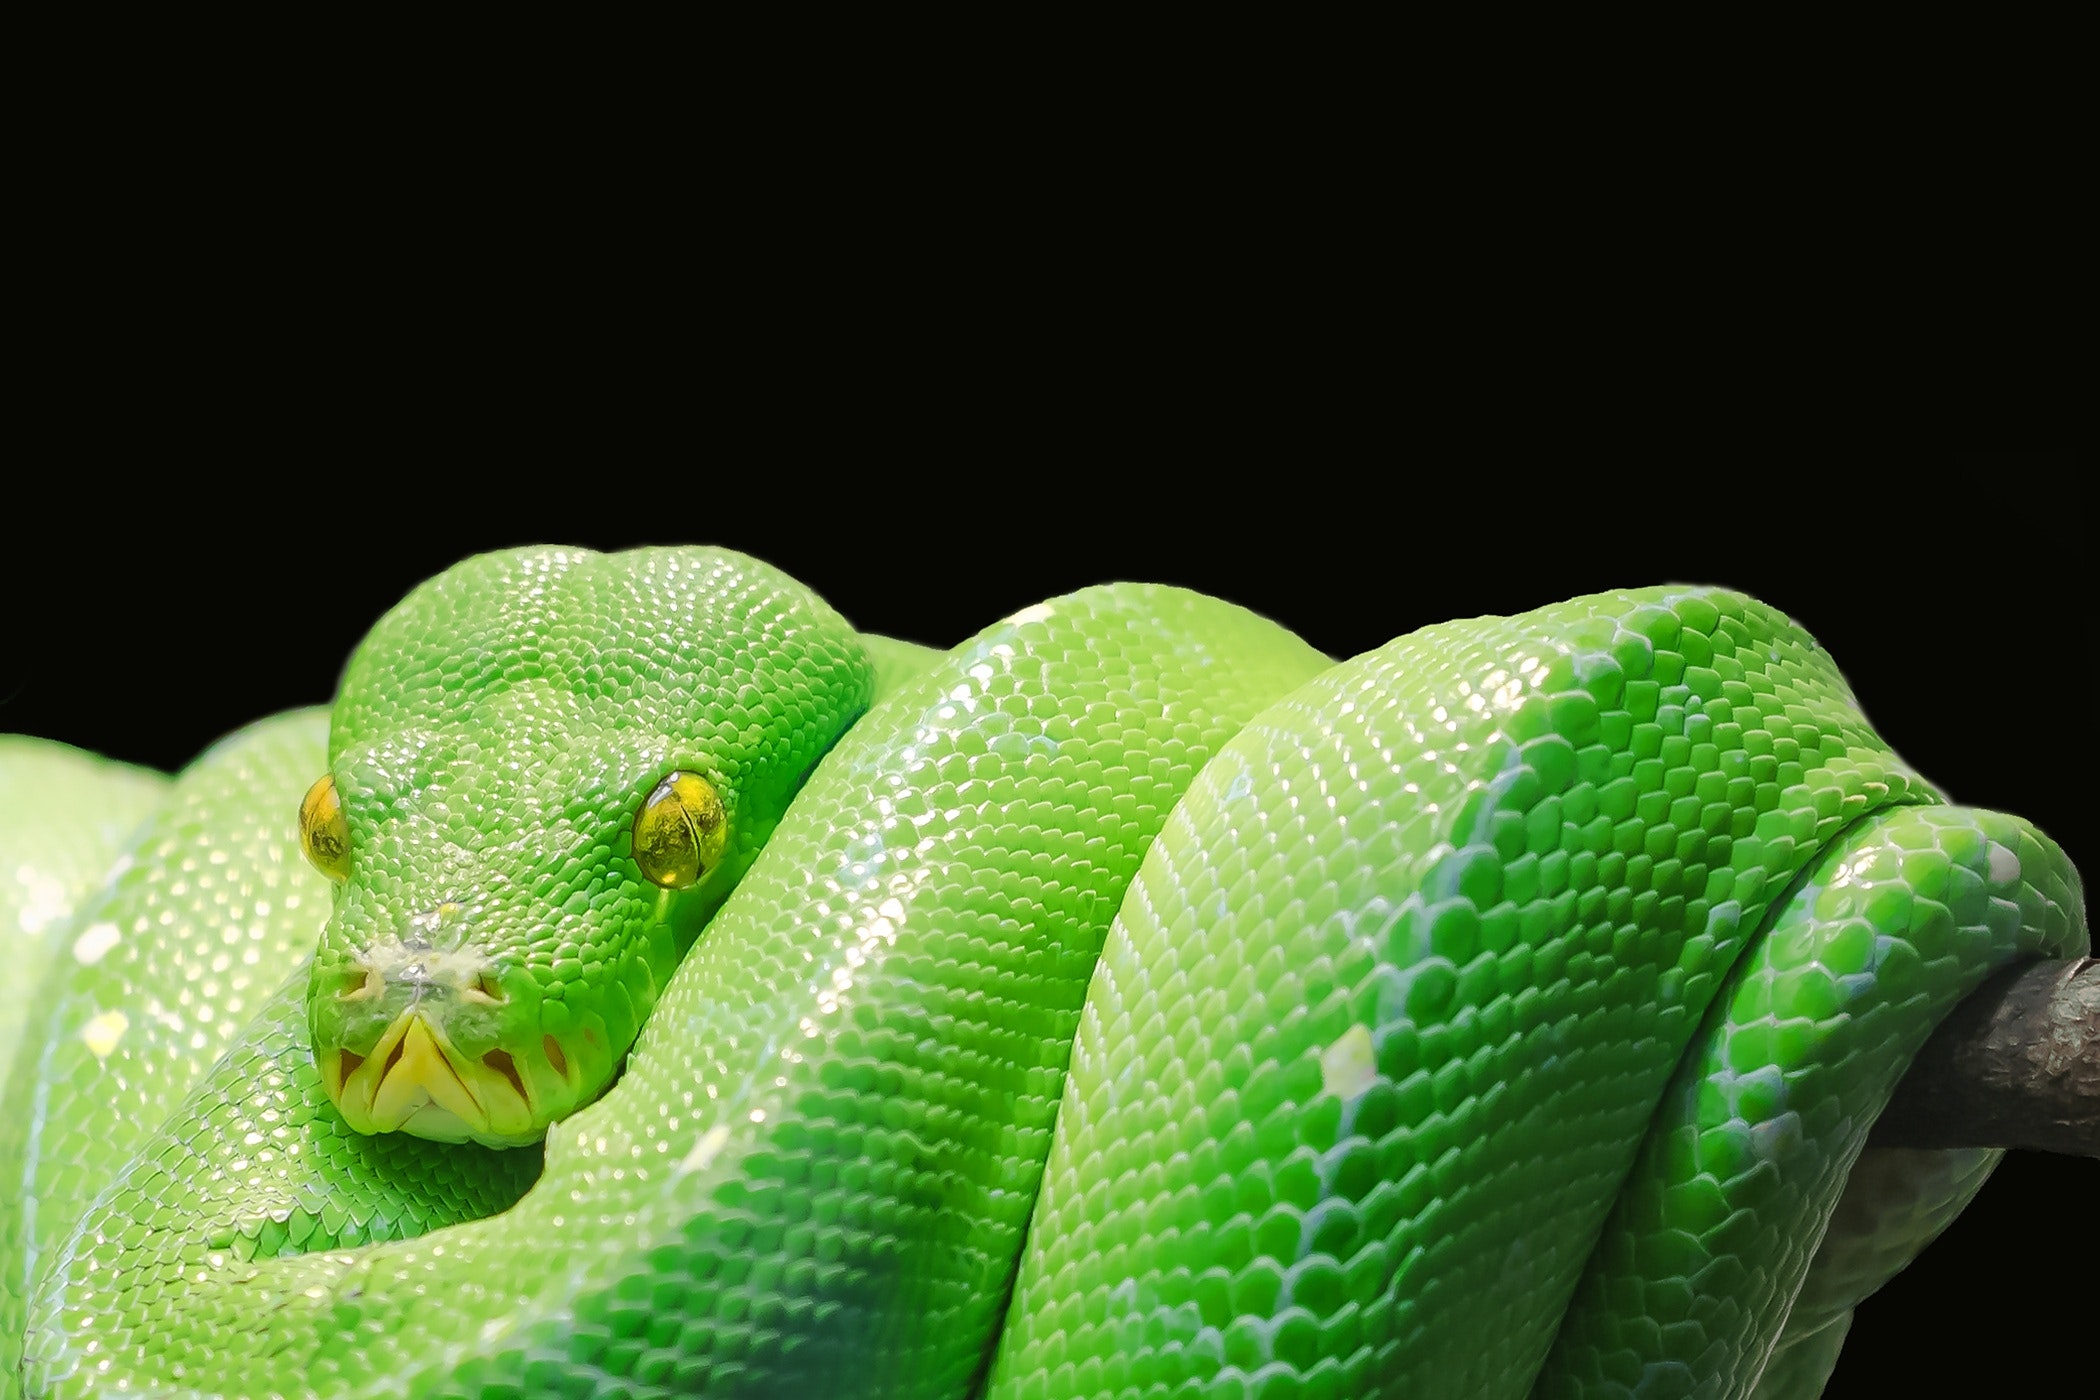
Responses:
[415,1080]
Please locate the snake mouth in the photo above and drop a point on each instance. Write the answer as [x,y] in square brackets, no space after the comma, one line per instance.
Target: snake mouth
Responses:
[416,1081]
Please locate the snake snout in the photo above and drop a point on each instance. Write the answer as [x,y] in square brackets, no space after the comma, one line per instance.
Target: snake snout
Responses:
[443,1043]
[412,969]
[420,1078]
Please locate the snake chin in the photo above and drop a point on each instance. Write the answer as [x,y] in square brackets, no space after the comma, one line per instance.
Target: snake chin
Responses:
[416,1081]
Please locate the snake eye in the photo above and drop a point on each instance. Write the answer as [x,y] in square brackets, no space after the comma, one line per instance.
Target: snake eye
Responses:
[679,832]
[323,833]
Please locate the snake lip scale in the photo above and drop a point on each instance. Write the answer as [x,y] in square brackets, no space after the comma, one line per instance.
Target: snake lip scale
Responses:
[1130,1000]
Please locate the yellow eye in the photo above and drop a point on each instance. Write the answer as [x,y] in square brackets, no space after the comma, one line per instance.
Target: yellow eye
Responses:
[680,832]
[323,833]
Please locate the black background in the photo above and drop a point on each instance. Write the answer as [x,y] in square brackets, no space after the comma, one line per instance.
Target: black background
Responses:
[1953,589]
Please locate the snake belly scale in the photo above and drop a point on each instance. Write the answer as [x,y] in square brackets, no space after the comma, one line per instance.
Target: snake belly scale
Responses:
[1128,1001]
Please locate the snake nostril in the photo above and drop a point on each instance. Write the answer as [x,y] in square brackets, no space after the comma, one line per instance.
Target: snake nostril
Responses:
[555,1056]
[486,985]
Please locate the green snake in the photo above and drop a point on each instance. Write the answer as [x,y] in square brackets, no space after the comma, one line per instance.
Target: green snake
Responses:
[1127,1001]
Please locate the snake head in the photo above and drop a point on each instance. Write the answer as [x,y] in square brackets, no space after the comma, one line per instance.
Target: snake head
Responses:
[547,770]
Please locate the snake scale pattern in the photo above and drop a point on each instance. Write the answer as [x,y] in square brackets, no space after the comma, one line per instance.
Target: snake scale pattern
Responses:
[1129,1001]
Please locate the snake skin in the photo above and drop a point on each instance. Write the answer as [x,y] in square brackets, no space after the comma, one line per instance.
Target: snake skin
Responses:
[1496,1014]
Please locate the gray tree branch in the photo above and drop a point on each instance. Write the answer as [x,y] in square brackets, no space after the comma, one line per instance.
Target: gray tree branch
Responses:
[2016,1065]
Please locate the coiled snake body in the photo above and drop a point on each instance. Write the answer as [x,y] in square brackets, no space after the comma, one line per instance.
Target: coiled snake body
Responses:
[1128,1001]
